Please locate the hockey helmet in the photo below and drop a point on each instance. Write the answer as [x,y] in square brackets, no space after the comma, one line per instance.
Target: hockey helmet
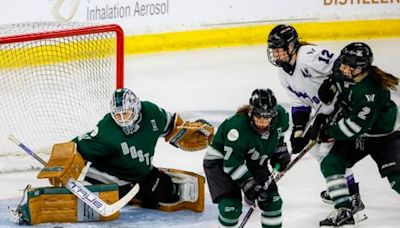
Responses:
[125,110]
[356,54]
[263,104]
[282,36]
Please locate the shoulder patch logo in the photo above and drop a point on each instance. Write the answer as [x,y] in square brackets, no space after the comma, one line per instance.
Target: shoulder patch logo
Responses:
[233,135]
[154,124]
[311,51]
[370,97]
[306,73]
[94,132]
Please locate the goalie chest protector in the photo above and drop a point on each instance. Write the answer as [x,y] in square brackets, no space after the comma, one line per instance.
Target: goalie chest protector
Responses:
[52,204]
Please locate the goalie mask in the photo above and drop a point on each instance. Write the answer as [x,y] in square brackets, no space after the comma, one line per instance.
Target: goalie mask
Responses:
[263,110]
[125,110]
[355,59]
[283,43]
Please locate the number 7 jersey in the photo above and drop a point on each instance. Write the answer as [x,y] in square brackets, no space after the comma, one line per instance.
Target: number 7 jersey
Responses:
[313,65]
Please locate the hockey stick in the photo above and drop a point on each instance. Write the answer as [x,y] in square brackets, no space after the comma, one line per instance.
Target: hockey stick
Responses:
[277,177]
[84,194]
[303,152]
[311,120]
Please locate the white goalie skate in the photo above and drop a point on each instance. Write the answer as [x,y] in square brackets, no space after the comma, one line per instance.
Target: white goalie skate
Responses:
[16,214]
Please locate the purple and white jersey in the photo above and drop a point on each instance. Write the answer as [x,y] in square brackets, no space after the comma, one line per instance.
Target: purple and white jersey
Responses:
[313,65]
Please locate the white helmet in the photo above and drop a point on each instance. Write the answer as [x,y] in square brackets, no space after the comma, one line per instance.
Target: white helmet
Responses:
[125,110]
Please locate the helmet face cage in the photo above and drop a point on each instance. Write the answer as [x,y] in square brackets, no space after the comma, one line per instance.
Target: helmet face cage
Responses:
[124,100]
[356,55]
[282,36]
[263,104]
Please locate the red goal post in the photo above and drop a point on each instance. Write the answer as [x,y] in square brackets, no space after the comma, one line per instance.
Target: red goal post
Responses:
[56,81]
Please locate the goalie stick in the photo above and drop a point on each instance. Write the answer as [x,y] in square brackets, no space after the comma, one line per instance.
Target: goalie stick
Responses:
[84,194]
[277,177]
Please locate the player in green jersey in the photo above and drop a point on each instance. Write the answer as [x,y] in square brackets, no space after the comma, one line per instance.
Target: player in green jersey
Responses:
[121,149]
[237,160]
[366,123]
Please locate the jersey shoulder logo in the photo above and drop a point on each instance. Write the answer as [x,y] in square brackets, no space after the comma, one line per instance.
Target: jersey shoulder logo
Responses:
[311,51]
[154,124]
[233,135]
[370,97]
[306,73]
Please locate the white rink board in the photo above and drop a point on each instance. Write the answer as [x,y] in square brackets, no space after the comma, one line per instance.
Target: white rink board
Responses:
[143,17]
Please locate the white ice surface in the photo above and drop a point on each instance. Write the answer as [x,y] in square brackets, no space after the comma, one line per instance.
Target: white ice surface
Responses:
[211,84]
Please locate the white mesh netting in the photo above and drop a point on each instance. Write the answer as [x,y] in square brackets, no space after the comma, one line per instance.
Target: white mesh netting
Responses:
[52,89]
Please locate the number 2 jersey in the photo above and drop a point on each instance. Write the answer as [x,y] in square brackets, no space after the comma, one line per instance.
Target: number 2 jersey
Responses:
[128,157]
[368,109]
[313,65]
[243,150]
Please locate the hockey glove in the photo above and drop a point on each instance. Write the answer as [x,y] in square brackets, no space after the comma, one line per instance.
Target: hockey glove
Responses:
[300,117]
[297,141]
[281,158]
[254,190]
[251,189]
[319,127]
[327,91]
[65,162]
[191,136]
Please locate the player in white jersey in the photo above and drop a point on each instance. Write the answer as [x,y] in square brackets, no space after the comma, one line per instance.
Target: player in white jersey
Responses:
[302,69]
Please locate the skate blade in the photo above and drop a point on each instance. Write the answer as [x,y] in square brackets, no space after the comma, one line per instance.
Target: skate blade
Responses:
[359,216]
[327,201]
[347,226]
[342,226]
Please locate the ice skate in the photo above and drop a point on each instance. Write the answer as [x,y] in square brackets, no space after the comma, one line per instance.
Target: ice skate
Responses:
[342,217]
[357,207]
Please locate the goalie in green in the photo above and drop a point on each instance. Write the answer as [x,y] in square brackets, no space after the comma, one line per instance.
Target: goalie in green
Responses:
[121,149]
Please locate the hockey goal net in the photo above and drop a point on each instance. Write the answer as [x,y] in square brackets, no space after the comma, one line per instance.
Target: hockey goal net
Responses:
[56,83]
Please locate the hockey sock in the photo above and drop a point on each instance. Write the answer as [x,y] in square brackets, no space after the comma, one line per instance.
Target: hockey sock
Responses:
[338,190]
[229,212]
[271,215]
[394,180]
[333,167]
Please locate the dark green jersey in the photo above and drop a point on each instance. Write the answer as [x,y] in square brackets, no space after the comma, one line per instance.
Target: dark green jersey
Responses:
[238,144]
[368,108]
[128,157]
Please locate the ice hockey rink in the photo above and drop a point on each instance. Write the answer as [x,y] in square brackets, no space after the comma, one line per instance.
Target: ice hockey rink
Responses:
[212,84]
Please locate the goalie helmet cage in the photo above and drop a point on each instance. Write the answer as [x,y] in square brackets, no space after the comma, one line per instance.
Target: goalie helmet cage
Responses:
[56,83]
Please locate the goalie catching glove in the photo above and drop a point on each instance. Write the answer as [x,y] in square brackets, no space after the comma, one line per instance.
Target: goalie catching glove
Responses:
[189,135]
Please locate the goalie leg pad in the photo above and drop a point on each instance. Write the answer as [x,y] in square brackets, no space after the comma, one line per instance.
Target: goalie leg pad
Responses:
[51,204]
[191,191]
[65,162]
